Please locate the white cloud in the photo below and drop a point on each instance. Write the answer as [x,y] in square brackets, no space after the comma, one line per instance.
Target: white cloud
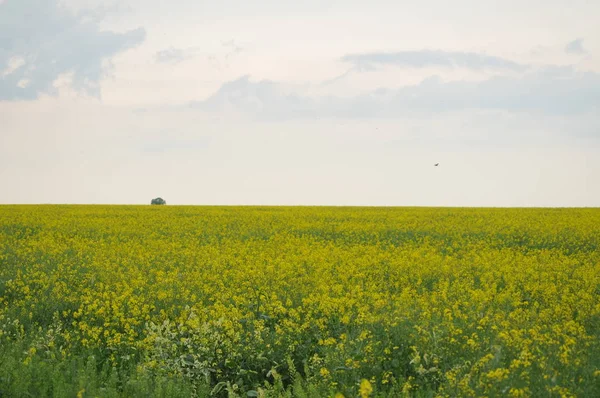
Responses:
[52,41]
[23,83]
[425,58]
[549,90]
[13,64]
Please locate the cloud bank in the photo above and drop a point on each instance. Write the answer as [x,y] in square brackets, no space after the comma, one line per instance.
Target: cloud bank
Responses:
[41,41]
[549,90]
[427,58]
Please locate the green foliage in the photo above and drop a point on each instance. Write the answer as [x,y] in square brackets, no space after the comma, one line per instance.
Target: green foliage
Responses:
[24,373]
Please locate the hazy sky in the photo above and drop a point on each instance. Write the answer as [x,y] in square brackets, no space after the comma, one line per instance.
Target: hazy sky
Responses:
[301,102]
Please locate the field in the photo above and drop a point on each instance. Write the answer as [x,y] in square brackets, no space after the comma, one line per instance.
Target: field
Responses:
[298,301]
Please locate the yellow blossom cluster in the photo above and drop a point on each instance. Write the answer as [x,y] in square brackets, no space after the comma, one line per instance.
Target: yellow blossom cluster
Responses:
[353,301]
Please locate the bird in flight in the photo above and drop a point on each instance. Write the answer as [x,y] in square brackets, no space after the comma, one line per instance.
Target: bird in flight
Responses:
[436,165]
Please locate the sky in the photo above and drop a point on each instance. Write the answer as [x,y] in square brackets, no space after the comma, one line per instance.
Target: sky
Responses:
[277,102]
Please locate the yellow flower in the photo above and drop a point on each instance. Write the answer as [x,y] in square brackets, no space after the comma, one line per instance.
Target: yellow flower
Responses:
[365,388]
[490,296]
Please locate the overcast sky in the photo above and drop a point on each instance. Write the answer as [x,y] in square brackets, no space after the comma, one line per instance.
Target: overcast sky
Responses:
[300,102]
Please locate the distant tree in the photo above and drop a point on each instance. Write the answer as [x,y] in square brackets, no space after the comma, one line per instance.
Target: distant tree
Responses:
[158,201]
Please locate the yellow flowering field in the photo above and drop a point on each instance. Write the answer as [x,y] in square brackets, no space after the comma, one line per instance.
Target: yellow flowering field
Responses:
[107,301]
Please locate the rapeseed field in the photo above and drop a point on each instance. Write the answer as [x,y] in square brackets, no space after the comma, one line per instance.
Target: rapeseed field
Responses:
[110,301]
